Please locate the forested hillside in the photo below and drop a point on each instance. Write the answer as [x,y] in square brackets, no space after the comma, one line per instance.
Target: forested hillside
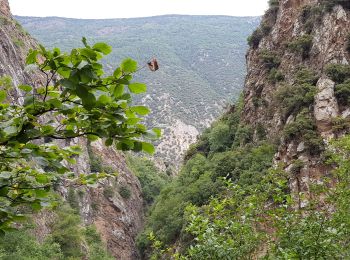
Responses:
[201,58]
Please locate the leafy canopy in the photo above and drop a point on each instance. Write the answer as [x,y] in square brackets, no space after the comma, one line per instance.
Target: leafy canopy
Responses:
[73,99]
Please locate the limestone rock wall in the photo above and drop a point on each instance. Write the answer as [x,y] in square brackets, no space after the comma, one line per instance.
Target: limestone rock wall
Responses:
[329,37]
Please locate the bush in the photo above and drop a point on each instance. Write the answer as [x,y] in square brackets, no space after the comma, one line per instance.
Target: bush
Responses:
[219,137]
[244,135]
[67,232]
[306,76]
[294,98]
[21,245]
[72,199]
[125,192]
[255,38]
[338,72]
[97,250]
[342,93]
[275,75]
[152,180]
[340,124]
[310,16]
[304,129]
[270,59]
[301,45]
[329,4]
[108,192]
[297,165]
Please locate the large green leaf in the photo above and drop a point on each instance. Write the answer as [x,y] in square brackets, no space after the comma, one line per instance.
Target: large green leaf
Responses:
[128,66]
[103,48]
[137,88]
[148,148]
[2,95]
[141,110]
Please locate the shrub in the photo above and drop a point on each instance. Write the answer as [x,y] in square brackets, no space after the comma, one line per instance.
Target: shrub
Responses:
[219,137]
[260,131]
[94,206]
[297,165]
[152,180]
[125,192]
[339,124]
[270,59]
[329,4]
[97,249]
[306,76]
[72,199]
[22,245]
[244,135]
[108,192]
[67,232]
[304,129]
[301,45]
[265,28]
[275,75]
[342,93]
[294,98]
[255,38]
[338,72]
[96,163]
[310,16]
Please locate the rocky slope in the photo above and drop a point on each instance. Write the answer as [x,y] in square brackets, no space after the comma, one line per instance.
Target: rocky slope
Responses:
[288,61]
[116,205]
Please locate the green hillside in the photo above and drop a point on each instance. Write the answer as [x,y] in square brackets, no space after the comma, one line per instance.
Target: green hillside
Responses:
[201,58]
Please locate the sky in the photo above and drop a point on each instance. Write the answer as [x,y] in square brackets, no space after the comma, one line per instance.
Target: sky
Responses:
[97,9]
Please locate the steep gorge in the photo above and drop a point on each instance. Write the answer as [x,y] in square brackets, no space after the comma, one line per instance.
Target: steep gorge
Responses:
[272,147]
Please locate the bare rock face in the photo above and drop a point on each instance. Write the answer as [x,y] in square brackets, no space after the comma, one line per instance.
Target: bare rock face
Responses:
[5,8]
[329,37]
[117,218]
[326,106]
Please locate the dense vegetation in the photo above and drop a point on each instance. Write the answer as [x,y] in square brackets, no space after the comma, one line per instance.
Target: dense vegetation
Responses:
[226,150]
[68,240]
[151,178]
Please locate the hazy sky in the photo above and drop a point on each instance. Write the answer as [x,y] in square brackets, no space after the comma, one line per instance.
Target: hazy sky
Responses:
[135,8]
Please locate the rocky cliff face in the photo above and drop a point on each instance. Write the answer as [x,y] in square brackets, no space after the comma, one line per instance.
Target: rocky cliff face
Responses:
[291,86]
[116,205]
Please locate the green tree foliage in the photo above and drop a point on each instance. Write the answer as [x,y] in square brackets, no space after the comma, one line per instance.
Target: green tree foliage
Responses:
[264,221]
[270,59]
[76,99]
[20,244]
[304,129]
[338,72]
[342,92]
[68,240]
[151,179]
[97,250]
[202,178]
[125,192]
[219,137]
[301,45]
[329,4]
[292,99]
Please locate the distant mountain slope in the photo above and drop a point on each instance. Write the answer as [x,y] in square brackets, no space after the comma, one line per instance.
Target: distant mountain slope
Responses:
[202,64]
